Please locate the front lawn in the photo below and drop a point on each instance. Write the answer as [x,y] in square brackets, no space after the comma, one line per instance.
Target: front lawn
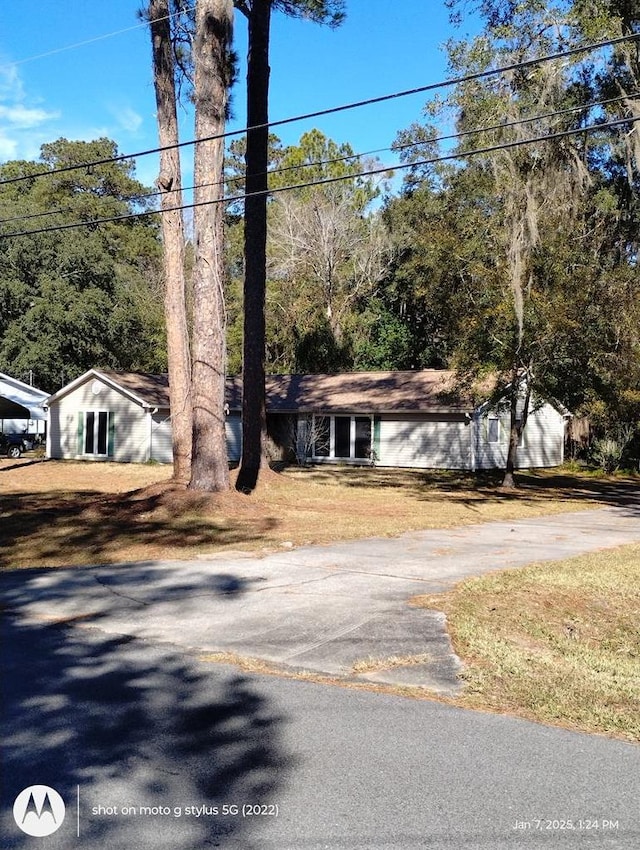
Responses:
[557,642]
[67,513]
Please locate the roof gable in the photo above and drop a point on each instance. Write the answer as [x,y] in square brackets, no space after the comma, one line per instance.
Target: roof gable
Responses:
[145,389]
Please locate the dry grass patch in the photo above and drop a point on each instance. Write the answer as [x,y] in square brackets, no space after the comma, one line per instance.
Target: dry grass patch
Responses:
[73,513]
[557,642]
[391,662]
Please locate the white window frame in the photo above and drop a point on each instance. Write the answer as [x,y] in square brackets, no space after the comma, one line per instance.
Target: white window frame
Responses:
[496,419]
[352,436]
[96,432]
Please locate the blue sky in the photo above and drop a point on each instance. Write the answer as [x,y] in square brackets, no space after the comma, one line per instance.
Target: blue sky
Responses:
[104,87]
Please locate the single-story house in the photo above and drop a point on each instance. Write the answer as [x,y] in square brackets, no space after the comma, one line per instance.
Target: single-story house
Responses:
[394,419]
[21,407]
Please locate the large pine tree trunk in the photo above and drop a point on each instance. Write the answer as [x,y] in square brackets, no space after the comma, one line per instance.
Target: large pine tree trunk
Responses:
[209,465]
[169,182]
[255,247]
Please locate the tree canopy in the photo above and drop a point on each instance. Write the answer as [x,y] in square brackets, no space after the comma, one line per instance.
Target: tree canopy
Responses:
[522,259]
[516,254]
[82,297]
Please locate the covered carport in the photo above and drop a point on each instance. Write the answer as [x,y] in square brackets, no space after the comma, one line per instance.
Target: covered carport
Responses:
[21,407]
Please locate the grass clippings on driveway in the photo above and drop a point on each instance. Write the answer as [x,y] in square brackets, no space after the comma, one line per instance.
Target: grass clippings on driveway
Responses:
[62,513]
[557,642]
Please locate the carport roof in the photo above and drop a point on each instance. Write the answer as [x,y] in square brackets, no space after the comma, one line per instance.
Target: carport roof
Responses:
[12,410]
[19,400]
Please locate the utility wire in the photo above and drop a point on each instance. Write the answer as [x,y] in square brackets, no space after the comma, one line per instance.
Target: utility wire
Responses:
[347,157]
[330,180]
[335,109]
[93,40]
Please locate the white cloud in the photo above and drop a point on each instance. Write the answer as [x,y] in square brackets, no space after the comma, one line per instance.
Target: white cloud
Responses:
[23,122]
[25,118]
[128,119]
[10,83]
[8,148]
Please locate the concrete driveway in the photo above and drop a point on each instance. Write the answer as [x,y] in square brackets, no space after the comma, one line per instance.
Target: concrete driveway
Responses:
[320,608]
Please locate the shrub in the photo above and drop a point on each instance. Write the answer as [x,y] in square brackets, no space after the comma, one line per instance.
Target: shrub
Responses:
[608,451]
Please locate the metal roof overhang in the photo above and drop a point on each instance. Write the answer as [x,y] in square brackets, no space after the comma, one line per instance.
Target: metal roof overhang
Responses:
[10,409]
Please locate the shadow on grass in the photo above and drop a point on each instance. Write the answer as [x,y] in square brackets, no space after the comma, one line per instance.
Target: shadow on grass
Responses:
[94,527]
[24,461]
[467,487]
[615,491]
[131,725]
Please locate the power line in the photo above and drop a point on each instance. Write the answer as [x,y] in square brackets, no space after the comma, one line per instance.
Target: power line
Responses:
[335,109]
[346,157]
[330,180]
[93,40]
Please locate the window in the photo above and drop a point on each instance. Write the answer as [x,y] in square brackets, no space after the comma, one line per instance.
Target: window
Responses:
[343,437]
[493,429]
[321,430]
[95,433]
[362,443]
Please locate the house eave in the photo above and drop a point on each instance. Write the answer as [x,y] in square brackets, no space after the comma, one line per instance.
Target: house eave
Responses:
[110,382]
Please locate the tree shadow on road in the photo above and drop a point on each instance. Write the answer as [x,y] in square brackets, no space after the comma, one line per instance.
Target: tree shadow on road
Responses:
[130,724]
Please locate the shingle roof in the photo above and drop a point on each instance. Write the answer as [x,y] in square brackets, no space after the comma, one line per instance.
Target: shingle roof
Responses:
[151,389]
[428,390]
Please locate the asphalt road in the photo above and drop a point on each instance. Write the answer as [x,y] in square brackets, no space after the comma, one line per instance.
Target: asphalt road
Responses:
[119,724]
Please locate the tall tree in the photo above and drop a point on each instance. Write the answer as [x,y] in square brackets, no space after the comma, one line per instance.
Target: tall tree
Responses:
[258,14]
[212,76]
[173,255]
[532,180]
[527,256]
[255,243]
[81,297]
[326,243]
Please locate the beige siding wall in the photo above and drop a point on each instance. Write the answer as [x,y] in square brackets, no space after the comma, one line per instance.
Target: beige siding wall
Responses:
[542,442]
[162,447]
[131,423]
[491,455]
[425,442]
[543,439]
[161,439]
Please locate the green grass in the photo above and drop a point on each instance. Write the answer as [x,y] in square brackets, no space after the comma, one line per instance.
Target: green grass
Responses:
[557,642]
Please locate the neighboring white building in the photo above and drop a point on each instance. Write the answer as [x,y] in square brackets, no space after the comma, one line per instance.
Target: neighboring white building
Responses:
[21,407]
[394,419]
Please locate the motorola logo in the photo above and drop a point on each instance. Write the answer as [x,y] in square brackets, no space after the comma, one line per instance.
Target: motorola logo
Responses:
[39,810]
